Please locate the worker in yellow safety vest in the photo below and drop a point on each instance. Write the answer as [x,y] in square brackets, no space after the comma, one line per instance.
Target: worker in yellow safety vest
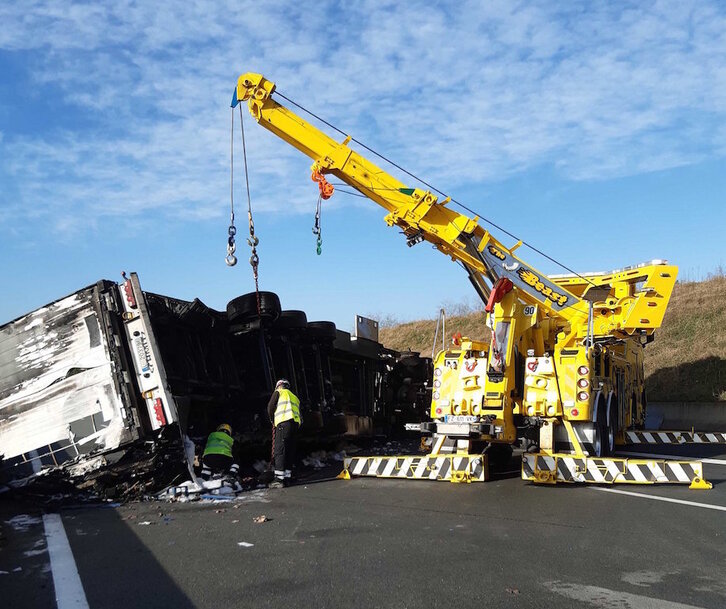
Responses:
[284,412]
[218,457]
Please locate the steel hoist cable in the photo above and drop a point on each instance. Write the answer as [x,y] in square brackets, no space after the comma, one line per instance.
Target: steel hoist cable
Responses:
[326,191]
[252,239]
[231,259]
[317,230]
[434,189]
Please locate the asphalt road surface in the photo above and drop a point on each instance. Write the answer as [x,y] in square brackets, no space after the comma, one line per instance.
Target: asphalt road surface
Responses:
[379,543]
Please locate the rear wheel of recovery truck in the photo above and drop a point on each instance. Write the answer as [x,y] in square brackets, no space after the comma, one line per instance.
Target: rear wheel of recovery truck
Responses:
[599,430]
[605,428]
[611,428]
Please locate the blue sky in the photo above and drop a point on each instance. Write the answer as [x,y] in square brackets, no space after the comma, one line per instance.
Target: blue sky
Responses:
[596,131]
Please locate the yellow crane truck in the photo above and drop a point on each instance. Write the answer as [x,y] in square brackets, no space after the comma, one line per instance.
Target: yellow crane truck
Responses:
[563,371]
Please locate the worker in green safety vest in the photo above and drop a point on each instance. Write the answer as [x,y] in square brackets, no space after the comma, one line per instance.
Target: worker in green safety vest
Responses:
[218,457]
[284,412]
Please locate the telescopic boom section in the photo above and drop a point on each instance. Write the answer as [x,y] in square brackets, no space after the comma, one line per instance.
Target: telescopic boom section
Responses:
[420,213]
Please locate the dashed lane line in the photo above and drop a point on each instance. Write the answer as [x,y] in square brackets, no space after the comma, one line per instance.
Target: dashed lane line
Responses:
[69,593]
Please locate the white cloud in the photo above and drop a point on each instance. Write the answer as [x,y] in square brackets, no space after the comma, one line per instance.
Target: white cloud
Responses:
[460,95]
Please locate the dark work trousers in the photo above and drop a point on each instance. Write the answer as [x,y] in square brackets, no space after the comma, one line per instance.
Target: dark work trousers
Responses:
[285,437]
[214,464]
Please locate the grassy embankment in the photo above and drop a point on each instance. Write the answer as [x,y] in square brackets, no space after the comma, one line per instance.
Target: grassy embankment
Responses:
[686,362]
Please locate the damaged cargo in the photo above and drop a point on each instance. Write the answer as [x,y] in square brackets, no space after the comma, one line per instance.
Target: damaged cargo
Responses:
[112,376]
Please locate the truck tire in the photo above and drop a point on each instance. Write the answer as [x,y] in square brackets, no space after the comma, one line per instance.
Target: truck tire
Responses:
[322,329]
[244,308]
[292,319]
[410,359]
[610,430]
[600,430]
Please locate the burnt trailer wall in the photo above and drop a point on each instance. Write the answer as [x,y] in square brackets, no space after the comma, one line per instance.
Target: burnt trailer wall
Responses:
[62,388]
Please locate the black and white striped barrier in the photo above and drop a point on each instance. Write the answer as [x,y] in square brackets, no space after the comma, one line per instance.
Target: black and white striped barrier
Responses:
[551,469]
[451,468]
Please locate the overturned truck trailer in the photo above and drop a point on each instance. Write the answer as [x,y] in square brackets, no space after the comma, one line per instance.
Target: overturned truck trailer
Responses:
[110,367]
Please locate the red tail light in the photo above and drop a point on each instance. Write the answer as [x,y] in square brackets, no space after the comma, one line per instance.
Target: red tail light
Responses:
[129,292]
[159,411]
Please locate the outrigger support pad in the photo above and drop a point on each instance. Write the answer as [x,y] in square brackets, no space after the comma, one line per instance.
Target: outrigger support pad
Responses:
[553,468]
[456,467]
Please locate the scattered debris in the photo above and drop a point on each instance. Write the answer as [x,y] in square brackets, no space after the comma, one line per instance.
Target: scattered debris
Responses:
[321,458]
[191,490]
[260,466]
[513,591]
[245,544]
[22,522]
[145,523]
[235,521]
[314,462]
[39,547]
[260,519]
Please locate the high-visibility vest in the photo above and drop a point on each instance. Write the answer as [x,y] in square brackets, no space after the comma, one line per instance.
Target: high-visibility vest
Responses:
[288,407]
[218,443]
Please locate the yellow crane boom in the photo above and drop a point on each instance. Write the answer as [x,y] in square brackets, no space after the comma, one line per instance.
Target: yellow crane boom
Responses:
[628,303]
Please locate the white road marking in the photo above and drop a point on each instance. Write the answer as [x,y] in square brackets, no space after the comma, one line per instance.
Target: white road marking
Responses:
[708,506]
[69,592]
[674,457]
[612,599]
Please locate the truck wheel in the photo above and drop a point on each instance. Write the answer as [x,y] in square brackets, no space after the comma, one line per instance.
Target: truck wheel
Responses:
[610,430]
[600,431]
[598,441]
[244,308]
[292,319]
[322,329]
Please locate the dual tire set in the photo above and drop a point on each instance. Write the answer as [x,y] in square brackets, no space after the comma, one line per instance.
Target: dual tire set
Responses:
[242,311]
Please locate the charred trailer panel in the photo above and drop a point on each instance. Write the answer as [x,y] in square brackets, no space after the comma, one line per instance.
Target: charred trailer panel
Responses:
[65,390]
